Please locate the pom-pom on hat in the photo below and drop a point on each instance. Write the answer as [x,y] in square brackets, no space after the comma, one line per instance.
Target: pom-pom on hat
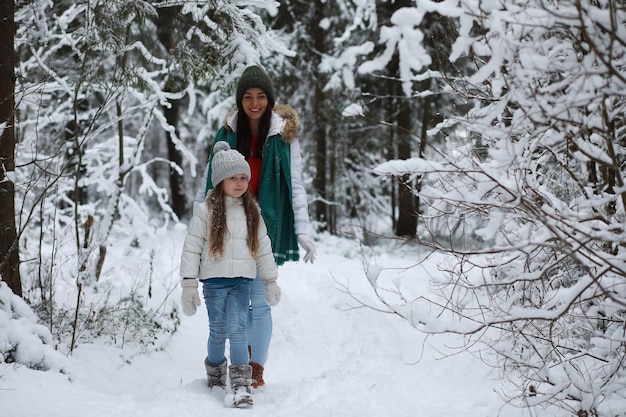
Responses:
[255,77]
[227,162]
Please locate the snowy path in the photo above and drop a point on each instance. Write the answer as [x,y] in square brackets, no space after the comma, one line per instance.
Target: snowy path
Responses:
[325,360]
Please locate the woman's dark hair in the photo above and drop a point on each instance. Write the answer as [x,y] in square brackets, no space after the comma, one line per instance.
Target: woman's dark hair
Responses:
[244,137]
[217,227]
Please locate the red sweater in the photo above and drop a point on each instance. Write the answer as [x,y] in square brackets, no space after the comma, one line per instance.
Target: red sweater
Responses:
[255,167]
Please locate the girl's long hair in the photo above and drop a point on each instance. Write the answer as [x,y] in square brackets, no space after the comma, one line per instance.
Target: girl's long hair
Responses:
[217,225]
[244,137]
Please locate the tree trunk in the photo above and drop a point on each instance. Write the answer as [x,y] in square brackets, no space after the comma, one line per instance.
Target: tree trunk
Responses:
[319,181]
[407,213]
[165,28]
[319,135]
[177,188]
[332,181]
[9,248]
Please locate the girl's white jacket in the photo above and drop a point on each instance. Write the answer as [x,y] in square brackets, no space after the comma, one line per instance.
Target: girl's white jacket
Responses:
[237,260]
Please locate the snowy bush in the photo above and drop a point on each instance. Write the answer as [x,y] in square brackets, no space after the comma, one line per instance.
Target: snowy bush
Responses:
[22,339]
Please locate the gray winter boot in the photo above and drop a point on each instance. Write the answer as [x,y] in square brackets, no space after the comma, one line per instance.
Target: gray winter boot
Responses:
[216,375]
[240,380]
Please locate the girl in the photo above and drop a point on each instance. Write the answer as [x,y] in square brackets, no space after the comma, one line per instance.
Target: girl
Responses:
[226,247]
[266,136]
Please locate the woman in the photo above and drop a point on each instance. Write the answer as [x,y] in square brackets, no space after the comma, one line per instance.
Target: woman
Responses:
[266,135]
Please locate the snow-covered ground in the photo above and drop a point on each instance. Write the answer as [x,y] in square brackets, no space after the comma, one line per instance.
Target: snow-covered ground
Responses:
[327,358]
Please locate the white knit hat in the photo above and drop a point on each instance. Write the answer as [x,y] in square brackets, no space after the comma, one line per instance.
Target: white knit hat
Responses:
[227,162]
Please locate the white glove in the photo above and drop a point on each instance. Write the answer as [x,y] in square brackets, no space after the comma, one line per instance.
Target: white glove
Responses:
[272,292]
[190,299]
[308,246]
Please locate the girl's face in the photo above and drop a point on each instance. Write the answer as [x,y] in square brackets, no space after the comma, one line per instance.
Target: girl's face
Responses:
[235,186]
[254,103]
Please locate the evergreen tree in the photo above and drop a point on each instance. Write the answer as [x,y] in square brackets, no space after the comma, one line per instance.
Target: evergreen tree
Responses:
[398,108]
[533,173]
[299,78]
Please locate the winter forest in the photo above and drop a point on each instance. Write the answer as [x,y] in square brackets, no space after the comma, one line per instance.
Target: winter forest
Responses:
[489,132]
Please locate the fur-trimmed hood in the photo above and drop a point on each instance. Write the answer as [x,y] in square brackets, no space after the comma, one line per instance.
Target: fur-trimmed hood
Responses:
[284,122]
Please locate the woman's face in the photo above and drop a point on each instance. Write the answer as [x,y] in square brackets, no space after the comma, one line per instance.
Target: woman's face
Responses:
[235,186]
[254,103]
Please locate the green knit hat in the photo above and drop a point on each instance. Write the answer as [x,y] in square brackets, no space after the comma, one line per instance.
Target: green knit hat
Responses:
[255,77]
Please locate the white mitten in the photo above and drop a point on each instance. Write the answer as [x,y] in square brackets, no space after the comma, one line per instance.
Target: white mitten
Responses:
[272,292]
[190,299]
[308,246]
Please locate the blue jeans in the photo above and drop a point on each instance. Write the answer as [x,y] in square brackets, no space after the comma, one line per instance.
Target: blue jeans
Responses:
[227,304]
[259,328]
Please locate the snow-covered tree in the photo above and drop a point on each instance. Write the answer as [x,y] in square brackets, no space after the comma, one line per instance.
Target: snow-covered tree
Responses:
[96,80]
[533,174]
[301,81]
[395,109]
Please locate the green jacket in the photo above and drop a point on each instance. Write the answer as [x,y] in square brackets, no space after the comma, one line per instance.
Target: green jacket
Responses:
[275,188]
